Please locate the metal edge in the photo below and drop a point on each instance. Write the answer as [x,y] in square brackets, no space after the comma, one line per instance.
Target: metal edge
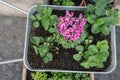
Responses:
[107,72]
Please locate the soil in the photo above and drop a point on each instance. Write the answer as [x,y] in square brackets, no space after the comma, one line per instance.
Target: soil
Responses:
[63,60]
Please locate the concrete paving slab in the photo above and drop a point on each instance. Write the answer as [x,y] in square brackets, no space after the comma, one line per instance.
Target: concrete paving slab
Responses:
[12,34]
[11,72]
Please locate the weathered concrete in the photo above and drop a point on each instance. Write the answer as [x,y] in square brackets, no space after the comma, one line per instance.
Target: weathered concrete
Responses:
[12,34]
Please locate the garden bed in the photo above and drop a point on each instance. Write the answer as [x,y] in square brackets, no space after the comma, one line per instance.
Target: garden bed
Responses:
[71,38]
[63,60]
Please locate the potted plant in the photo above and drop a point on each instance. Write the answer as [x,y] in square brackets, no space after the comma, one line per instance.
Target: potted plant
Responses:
[29,75]
[65,39]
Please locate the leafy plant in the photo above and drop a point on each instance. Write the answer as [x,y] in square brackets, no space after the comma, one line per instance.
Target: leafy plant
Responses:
[39,76]
[96,55]
[64,2]
[60,76]
[44,16]
[100,17]
[42,49]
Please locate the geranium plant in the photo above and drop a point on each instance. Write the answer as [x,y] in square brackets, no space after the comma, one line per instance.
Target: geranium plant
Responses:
[81,37]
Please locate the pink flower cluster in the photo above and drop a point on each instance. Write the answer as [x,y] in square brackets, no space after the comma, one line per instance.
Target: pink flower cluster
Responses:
[71,27]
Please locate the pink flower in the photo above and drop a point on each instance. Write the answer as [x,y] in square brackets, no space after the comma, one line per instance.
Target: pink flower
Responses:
[71,27]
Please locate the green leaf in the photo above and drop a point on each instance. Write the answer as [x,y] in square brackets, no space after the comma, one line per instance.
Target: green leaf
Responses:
[99,43]
[49,39]
[35,40]
[35,49]
[42,52]
[90,8]
[98,12]
[86,55]
[53,20]
[85,65]
[47,11]
[50,56]
[100,21]
[39,8]
[91,19]
[79,48]
[77,57]
[95,29]
[32,18]
[92,49]
[38,16]
[45,22]
[45,59]
[36,24]
[105,30]
[41,39]
[51,30]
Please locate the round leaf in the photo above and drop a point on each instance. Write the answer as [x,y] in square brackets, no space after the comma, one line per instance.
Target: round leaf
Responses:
[95,29]
[79,48]
[92,49]
[77,57]
[105,30]
[36,24]
[35,40]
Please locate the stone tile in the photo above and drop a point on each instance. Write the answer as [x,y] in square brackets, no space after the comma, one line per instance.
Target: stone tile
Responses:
[12,71]
[12,36]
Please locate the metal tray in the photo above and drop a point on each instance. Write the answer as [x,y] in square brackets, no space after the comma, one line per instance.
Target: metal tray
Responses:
[28,28]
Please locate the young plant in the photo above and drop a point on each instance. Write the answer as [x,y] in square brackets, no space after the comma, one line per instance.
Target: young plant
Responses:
[44,16]
[100,18]
[60,76]
[41,48]
[96,55]
[39,76]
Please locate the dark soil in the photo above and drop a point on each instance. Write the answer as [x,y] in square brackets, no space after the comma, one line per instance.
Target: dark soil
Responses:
[63,60]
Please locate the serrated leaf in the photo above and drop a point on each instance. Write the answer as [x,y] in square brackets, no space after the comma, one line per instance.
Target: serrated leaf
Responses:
[95,29]
[91,19]
[35,49]
[38,16]
[79,48]
[100,21]
[35,40]
[50,56]
[51,30]
[98,12]
[77,57]
[92,49]
[40,51]
[45,59]
[49,39]
[85,65]
[90,8]
[41,39]
[47,11]
[105,30]
[86,55]
[32,18]
[39,8]
[45,22]
[36,24]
